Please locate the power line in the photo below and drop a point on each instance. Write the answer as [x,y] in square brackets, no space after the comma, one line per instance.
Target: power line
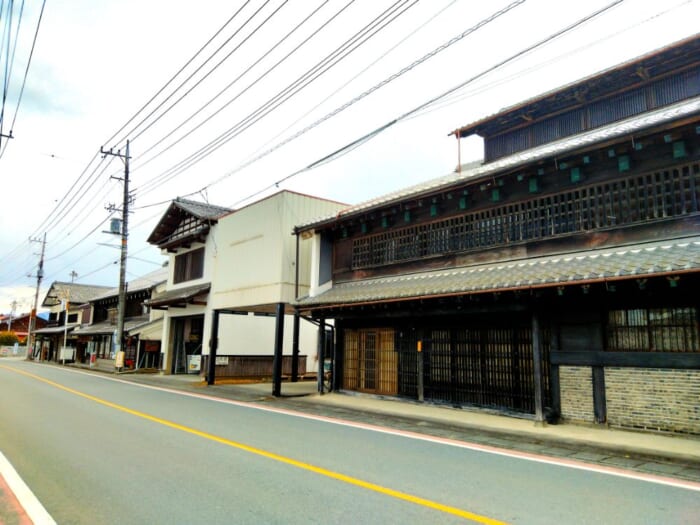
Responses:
[365,138]
[218,64]
[199,51]
[230,84]
[371,90]
[320,68]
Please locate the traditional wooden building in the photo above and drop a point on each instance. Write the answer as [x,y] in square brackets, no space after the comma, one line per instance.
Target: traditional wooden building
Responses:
[142,327]
[558,278]
[69,308]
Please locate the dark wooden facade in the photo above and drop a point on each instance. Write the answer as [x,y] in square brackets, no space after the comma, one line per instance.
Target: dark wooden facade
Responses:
[516,347]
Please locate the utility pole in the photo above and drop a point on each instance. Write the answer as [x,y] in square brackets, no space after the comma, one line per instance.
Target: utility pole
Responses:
[32,315]
[73,274]
[122,265]
[13,307]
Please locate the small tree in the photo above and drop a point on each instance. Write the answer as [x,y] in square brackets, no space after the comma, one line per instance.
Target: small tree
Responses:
[8,338]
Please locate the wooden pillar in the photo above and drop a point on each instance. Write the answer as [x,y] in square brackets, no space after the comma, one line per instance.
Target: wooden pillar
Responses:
[600,410]
[279,343]
[213,344]
[537,368]
[295,348]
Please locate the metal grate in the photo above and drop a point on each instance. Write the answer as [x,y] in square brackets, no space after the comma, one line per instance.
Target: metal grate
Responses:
[651,196]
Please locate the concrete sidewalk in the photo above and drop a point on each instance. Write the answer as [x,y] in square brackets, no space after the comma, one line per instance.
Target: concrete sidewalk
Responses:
[304,396]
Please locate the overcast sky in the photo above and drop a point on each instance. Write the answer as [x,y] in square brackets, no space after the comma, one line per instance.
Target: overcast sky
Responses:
[96,64]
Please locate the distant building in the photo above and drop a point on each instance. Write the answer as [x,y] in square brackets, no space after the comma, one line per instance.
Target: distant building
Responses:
[69,307]
[559,278]
[19,324]
[142,327]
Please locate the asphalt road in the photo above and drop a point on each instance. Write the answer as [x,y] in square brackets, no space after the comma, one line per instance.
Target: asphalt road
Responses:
[95,450]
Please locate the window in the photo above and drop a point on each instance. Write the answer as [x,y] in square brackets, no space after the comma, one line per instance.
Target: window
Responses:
[653,330]
[189,266]
[72,318]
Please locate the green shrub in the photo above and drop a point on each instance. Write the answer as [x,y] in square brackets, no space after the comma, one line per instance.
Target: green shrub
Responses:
[8,338]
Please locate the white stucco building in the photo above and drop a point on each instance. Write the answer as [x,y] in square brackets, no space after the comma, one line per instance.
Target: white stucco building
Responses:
[241,264]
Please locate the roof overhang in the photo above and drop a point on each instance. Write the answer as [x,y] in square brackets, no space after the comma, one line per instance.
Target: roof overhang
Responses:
[643,69]
[181,297]
[55,330]
[644,123]
[668,258]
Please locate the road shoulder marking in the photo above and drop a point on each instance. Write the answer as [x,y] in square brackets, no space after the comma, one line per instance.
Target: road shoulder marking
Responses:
[26,498]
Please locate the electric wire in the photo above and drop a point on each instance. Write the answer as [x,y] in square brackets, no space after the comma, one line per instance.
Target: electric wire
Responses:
[371,90]
[236,48]
[172,79]
[230,84]
[5,49]
[416,112]
[84,173]
[295,87]
[354,144]
[24,79]
[357,75]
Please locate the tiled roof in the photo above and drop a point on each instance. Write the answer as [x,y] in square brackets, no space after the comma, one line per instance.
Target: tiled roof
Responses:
[75,293]
[201,210]
[140,283]
[179,295]
[613,79]
[588,138]
[638,261]
[131,326]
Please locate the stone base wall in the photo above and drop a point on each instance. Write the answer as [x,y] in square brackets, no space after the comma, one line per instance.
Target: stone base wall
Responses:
[653,399]
[576,387]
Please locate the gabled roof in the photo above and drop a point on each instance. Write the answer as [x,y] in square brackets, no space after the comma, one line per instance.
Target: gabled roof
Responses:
[590,266]
[645,68]
[145,282]
[179,210]
[74,292]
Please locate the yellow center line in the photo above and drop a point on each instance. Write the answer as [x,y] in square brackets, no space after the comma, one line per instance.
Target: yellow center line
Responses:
[276,457]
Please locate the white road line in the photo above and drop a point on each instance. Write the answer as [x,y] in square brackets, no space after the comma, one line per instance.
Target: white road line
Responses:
[527,456]
[32,506]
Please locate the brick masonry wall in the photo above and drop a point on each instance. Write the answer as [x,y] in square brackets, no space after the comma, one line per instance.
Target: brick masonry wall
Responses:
[576,387]
[653,399]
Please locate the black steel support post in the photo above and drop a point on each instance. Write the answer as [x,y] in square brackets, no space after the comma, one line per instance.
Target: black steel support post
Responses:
[295,348]
[419,372]
[321,357]
[279,343]
[537,368]
[213,344]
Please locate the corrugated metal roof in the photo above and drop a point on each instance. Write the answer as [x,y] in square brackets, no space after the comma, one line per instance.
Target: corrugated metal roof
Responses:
[638,261]
[589,138]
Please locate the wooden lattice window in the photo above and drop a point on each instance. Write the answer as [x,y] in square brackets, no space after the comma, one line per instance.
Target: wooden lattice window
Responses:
[646,197]
[653,330]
